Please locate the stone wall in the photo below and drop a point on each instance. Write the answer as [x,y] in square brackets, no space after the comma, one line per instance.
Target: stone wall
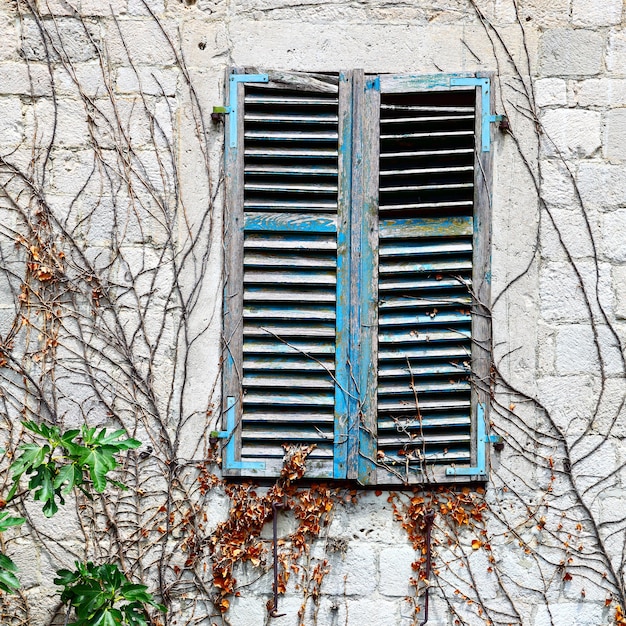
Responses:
[105,107]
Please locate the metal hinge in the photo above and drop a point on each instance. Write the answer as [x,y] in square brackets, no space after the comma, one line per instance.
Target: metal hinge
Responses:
[482,439]
[232,109]
[229,461]
[487,118]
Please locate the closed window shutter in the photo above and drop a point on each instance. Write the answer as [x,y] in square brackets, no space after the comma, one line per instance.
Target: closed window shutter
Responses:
[357,256]
[289,306]
[425,226]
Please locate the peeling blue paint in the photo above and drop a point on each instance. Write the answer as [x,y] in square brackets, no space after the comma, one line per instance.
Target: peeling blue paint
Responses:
[482,439]
[229,453]
[233,107]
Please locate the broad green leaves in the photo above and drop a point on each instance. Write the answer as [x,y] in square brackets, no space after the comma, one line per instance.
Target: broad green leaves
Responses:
[102,596]
[8,579]
[66,460]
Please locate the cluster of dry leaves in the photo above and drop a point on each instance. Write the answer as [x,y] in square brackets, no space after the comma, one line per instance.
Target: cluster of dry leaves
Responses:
[238,539]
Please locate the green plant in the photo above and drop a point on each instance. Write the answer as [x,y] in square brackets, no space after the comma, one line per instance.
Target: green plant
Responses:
[102,596]
[8,579]
[61,464]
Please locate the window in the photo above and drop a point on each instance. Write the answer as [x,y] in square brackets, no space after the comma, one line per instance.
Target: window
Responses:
[357,258]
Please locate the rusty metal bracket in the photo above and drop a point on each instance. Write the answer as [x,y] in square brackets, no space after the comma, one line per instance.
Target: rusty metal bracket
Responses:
[274,612]
[429,518]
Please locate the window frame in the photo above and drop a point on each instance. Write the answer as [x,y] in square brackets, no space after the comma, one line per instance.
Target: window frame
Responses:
[359,106]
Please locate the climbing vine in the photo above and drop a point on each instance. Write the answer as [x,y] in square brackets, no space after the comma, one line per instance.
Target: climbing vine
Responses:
[105,275]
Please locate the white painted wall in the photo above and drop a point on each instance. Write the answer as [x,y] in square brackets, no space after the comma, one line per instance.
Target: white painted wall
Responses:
[572,54]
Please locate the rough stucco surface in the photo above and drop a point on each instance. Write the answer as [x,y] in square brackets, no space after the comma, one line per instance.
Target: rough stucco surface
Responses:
[574,52]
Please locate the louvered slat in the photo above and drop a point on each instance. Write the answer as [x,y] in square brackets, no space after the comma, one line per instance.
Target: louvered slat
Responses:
[425,272]
[290,275]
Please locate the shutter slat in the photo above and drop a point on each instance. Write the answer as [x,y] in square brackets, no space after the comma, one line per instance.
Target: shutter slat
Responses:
[302,188]
[251,346]
[270,152]
[258,294]
[277,170]
[421,319]
[301,99]
[285,206]
[396,370]
[425,119]
[286,135]
[446,265]
[427,170]
[436,134]
[391,351]
[299,363]
[292,118]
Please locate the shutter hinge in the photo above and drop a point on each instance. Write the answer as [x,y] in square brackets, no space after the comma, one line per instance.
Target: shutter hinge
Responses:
[232,109]
[482,439]
[229,461]
[485,95]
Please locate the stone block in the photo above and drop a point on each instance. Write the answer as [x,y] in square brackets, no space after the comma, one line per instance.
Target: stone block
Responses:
[20,78]
[566,52]
[143,41]
[557,185]
[581,613]
[602,186]
[147,80]
[596,12]
[145,7]
[571,231]
[11,122]
[576,351]
[616,52]
[103,7]
[571,133]
[70,36]
[560,293]
[546,341]
[619,288]
[372,610]
[395,571]
[569,400]
[550,92]
[597,92]
[87,76]
[249,610]
[9,42]
[71,122]
[353,573]
[613,244]
[614,140]
[203,41]
[539,13]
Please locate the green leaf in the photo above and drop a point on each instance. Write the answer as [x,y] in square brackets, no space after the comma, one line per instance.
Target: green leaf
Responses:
[7,521]
[101,595]
[32,457]
[8,580]
[70,474]
[7,564]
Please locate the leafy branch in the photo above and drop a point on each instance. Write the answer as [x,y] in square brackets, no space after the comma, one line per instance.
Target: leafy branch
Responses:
[103,596]
[63,462]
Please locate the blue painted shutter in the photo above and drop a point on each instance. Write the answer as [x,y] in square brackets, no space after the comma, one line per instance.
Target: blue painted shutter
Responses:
[349,325]
[289,382]
[425,224]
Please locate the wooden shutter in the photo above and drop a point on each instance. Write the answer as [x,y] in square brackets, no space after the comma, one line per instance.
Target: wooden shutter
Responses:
[283,384]
[429,141]
[357,257]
